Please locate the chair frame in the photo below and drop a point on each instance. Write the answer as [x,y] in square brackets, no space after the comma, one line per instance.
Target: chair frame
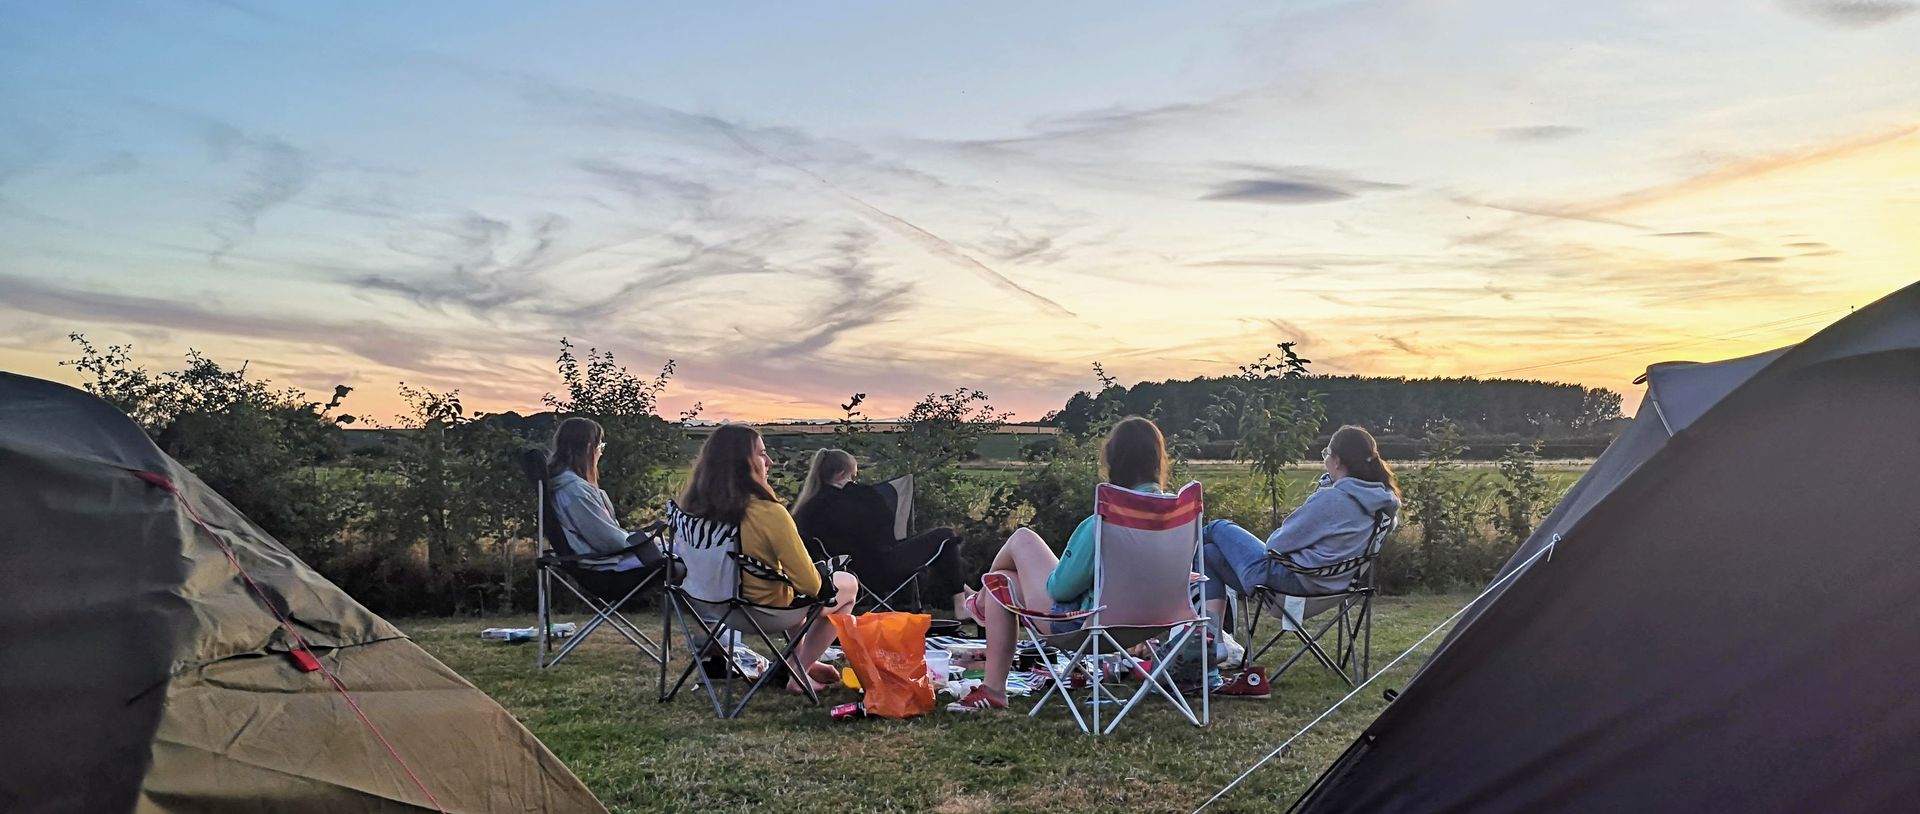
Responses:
[1349,611]
[1095,640]
[686,608]
[872,600]
[551,566]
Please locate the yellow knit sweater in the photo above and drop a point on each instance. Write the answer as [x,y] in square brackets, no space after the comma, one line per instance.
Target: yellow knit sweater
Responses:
[767,533]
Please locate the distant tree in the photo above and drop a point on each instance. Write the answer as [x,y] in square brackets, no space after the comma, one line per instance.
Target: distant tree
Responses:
[258,445]
[642,447]
[1274,423]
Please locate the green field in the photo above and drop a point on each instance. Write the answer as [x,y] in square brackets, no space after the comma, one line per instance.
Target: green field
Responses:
[597,712]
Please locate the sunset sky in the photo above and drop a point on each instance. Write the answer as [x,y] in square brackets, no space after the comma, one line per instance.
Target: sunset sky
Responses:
[797,201]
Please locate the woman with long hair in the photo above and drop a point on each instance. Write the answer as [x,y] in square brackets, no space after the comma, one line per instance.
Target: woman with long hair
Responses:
[581,507]
[1334,524]
[853,519]
[729,485]
[1133,457]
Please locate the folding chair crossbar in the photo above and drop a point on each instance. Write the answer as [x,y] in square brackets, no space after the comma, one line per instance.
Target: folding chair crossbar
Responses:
[1349,617]
[604,612]
[1100,642]
[703,635]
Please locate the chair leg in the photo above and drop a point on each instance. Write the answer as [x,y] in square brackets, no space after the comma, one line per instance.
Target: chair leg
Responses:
[785,657]
[608,613]
[545,621]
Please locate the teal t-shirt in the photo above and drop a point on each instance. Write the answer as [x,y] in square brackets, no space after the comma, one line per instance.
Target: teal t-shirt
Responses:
[1071,582]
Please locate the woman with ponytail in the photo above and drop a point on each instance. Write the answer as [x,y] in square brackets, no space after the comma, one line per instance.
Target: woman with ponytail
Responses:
[1334,524]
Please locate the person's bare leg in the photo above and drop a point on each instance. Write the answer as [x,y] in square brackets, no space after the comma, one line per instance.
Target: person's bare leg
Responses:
[1030,562]
[819,637]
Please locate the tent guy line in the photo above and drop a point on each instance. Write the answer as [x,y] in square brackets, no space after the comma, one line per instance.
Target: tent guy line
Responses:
[1546,551]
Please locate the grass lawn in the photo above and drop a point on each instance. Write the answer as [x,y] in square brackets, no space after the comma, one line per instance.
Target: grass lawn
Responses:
[597,712]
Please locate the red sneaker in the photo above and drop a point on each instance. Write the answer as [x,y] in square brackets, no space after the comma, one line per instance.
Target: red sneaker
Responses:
[1248,683]
[978,699]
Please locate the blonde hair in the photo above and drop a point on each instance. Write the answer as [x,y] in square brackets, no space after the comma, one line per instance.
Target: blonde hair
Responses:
[828,463]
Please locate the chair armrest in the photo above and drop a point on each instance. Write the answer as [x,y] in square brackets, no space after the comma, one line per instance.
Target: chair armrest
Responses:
[1322,571]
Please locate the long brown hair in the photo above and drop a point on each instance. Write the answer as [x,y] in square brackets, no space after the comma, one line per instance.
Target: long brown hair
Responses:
[1360,454]
[1135,453]
[723,481]
[575,443]
[828,464]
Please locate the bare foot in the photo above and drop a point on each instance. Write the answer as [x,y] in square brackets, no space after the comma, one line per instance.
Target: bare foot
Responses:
[960,612]
[823,673]
[793,687]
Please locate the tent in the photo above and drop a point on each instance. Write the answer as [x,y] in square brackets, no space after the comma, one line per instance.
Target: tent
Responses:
[145,665]
[1725,619]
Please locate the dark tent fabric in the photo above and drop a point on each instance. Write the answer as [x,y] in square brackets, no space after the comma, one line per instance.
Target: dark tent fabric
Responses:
[1677,393]
[1726,627]
[140,672]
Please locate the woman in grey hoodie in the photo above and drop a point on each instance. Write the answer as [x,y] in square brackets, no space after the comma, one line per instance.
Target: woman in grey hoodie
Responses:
[1334,524]
[582,508]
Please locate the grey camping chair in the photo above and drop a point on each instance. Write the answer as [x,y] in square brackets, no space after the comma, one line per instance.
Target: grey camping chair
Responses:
[1346,614]
[604,593]
[1145,548]
[705,601]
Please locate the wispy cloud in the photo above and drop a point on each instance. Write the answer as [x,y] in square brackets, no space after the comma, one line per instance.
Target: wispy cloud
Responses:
[274,172]
[1292,185]
[430,353]
[861,299]
[1539,132]
[1853,13]
[1732,172]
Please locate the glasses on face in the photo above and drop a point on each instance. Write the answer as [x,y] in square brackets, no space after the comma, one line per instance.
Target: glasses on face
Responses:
[1326,453]
[602,447]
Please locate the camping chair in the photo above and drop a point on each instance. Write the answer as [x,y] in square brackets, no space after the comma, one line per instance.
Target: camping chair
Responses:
[870,600]
[898,493]
[1348,612]
[605,593]
[706,602]
[1145,548]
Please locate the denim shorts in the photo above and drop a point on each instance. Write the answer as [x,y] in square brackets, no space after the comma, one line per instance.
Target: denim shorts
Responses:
[1067,625]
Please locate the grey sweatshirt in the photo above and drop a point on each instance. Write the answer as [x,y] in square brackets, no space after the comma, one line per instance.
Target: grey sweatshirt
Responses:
[1333,525]
[586,515]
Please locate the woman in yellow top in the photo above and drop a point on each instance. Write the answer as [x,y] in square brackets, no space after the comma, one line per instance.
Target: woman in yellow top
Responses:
[729,485]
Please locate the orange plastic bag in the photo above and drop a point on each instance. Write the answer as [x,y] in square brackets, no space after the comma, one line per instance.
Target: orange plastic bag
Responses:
[888,652]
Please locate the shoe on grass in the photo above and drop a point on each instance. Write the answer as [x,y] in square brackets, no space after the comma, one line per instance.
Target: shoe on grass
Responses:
[978,699]
[1248,683]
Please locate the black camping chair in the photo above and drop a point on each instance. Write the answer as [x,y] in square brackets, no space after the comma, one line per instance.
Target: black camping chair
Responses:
[704,598]
[1348,613]
[898,494]
[871,600]
[605,593]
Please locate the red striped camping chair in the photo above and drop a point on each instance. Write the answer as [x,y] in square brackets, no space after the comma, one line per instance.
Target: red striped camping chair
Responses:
[1145,555]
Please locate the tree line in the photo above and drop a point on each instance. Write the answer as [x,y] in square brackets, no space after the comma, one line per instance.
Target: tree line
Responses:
[436,517]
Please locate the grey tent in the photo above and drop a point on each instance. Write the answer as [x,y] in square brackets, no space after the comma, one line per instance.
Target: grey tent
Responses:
[145,665]
[1726,622]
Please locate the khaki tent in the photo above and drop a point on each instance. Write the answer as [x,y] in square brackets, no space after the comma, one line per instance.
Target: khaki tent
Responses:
[1724,622]
[145,665]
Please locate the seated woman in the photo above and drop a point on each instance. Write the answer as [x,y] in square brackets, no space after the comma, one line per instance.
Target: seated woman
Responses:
[1135,457]
[729,485]
[586,516]
[852,519]
[1333,525]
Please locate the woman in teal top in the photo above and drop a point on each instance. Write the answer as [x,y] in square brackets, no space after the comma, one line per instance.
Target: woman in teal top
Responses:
[1134,456]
